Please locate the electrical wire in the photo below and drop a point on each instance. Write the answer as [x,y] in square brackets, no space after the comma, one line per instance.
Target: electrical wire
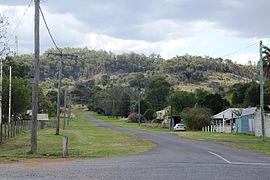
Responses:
[50,34]
[239,50]
[20,21]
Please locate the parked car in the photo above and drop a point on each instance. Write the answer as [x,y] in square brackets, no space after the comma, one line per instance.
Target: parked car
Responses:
[179,127]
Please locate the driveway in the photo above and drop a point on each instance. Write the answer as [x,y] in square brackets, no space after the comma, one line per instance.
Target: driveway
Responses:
[173,158]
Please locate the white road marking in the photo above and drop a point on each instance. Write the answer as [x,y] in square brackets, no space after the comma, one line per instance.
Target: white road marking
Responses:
[256,164]
[238,163]
[227,161]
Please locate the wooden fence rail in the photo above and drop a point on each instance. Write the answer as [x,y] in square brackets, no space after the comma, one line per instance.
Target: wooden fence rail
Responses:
[8,131]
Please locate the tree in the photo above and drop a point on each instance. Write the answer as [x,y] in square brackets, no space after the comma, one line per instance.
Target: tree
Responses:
[104,80]
[200,95]
[196,118]
[4,50]
[149,114]
[215,103]
[181,100]
[137,80]
[47,103]
[82,91]
[144,106]
[252,95]
[21,96]
[157,91]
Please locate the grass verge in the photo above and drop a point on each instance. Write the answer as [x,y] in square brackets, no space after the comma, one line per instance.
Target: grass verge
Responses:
[123,123]
[86,140]
[243,141]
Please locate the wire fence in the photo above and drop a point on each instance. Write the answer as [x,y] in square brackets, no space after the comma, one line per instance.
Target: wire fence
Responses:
[16,127]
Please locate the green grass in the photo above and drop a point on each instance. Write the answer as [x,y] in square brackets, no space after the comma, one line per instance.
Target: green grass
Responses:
[123,123]
[86,140]
[244,141]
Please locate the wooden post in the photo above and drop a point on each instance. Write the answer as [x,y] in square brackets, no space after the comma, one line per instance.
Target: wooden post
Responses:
[69,108]
[65,146]
[65,105]
[59,94]
[36,82]
[9,95]
[261,92]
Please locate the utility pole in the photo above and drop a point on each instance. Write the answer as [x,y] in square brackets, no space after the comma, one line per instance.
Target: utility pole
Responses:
[70,56]
[59,94]
[113,111]
[69,108]
[36,82]
[65,105]
[139,106]
[261,91]
[9,103]
[9,95]
[172,120]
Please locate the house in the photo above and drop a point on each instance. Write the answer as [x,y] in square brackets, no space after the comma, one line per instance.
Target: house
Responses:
[162,114]
[245,122]
[235,119]
[225,120]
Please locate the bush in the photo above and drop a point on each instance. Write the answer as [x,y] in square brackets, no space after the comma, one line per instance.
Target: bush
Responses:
[149,114]
[133,118]
[196,118]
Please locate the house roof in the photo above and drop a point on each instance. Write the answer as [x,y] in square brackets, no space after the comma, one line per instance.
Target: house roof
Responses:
[227,114]
[248,111]
[234,112]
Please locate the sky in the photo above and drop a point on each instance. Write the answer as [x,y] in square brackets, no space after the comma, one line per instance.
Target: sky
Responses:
[166,27]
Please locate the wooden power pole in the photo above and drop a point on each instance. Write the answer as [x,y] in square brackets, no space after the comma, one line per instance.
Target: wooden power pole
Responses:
[36,82]
[69,108]
[59,94]
[65,105]
[66,56]
[9,95]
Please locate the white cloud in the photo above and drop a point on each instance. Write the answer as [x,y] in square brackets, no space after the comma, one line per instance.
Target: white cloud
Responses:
[97,41]
[246,57]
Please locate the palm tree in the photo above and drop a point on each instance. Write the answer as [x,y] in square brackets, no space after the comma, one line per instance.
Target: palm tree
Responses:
[266,63]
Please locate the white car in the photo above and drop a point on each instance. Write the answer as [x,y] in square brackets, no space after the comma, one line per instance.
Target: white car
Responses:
[179,127]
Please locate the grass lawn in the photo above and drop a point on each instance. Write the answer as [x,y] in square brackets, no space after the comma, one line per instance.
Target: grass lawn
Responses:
[236,140]
[244,141]
[86,140]
[123,123]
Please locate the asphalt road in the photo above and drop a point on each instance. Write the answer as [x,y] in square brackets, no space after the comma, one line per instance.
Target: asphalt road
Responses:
[173,158]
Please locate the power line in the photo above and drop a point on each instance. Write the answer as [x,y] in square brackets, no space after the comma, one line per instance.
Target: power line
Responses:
[19,22]
[239,50]
[50,34]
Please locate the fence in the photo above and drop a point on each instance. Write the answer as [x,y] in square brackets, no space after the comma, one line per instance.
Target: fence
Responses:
[12,129]
[217,128]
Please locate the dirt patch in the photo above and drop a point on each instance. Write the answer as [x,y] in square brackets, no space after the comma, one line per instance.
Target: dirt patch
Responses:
[37,162]
[44,162]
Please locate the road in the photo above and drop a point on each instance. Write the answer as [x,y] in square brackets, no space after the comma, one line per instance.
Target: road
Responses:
[173,158]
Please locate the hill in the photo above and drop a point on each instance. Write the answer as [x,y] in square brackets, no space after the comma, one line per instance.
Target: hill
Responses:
[182,72]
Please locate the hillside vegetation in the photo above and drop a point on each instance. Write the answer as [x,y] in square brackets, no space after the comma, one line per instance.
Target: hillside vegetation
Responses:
[182,72]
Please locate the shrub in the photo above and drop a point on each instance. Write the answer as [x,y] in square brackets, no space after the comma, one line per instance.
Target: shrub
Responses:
[149,114]
[133,118]
[196,118]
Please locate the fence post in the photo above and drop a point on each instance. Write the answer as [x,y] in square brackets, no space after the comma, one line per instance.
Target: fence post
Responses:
[65,146]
